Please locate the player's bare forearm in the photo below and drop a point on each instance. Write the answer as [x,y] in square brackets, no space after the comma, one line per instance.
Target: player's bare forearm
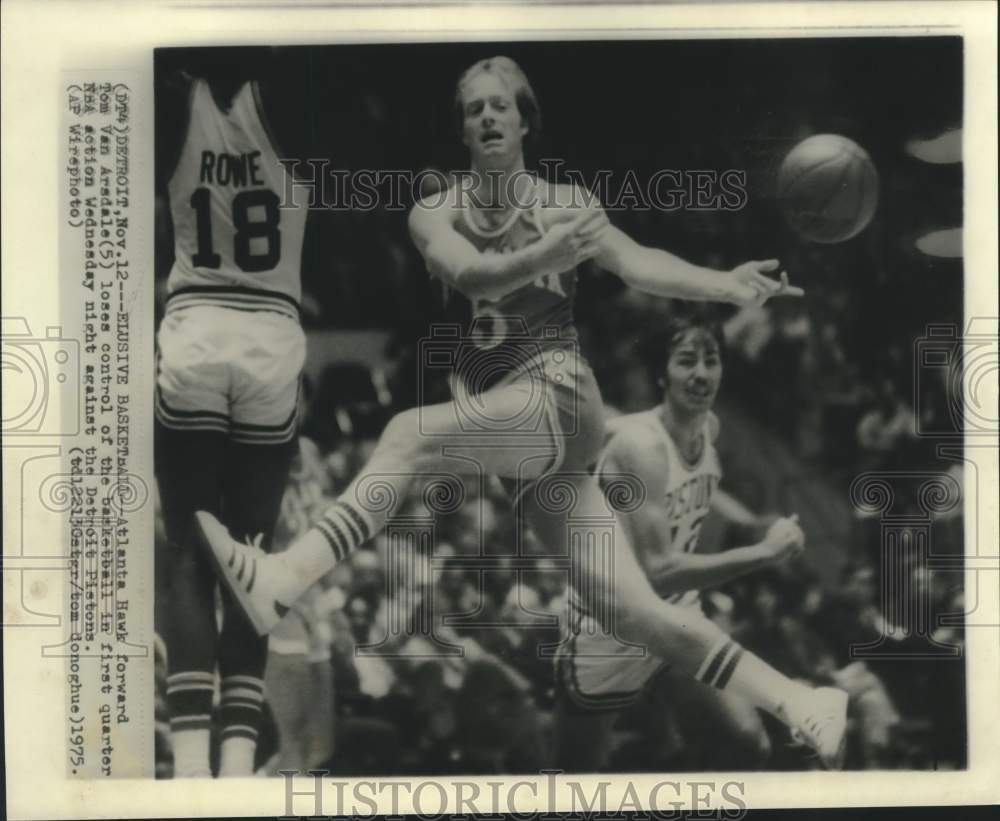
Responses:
[784,540]
[733,510]
[492,276]
[692,571]
[661,273]
[456,261]
[658,272]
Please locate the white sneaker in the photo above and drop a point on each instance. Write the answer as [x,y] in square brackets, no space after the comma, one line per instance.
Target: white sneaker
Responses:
[254,577]
[819,719]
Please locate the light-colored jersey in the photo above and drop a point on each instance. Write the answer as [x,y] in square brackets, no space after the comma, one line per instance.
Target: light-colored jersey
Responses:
[233,243]
[547,302]
[686,498]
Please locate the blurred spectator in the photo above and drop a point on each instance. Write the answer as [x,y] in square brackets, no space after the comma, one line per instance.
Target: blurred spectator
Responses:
[850,614]
[299,688]
[886,429]
[875,716]
[298,678]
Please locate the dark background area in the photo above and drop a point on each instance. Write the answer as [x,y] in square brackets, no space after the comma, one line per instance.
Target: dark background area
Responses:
[816,390]
[644,106]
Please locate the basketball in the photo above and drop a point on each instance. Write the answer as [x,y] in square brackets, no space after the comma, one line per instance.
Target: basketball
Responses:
[828,188]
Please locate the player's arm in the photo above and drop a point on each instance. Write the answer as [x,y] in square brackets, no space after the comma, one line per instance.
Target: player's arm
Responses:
[690,571]
[634,456]
[694,571]
[734,511]
[658,272]
[173,92]
[490,276]
[631,453]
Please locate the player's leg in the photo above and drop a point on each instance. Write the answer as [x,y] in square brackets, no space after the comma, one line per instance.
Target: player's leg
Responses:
[596,676]
[722,732]
[607,575]
[255,480]
[571,514]
[266,365]
[189,479]
[419,443]
[288,687]
[190,441]
[318,740]
[614,586]
[416,443]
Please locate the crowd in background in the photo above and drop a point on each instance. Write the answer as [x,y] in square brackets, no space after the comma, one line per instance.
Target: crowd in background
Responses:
[829,378]
[402,709]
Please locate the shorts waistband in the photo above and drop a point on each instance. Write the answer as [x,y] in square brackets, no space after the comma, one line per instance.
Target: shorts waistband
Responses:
[237,299]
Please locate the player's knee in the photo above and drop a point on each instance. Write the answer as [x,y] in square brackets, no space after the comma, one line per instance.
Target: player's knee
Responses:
[635,623]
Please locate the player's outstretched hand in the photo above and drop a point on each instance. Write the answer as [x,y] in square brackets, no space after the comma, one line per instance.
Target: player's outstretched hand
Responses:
[567,244]
[754,288]
[784,539]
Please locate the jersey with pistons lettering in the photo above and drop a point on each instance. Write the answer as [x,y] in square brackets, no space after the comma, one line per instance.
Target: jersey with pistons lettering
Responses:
[233,243]
[686,499]
[545,303]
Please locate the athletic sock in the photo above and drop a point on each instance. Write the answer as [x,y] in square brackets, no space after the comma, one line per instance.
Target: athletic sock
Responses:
[237,757]
[342,529]
[730,667]
[242,697]
[189,695]
[190,752]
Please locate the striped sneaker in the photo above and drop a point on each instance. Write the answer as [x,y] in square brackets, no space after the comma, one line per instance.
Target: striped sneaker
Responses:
[255,578]
[819,719]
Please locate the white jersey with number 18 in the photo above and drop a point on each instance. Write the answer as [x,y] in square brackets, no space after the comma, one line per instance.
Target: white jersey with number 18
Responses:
[233,243]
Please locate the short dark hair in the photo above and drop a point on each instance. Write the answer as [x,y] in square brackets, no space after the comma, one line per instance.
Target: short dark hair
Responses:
[524,95]
[661,344]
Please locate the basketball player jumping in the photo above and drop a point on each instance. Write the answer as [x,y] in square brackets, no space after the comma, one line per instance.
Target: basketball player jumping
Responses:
[511,244]
[670,450]
[229,352]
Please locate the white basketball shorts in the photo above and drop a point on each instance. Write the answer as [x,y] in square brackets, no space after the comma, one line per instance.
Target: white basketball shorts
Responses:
[231,371]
